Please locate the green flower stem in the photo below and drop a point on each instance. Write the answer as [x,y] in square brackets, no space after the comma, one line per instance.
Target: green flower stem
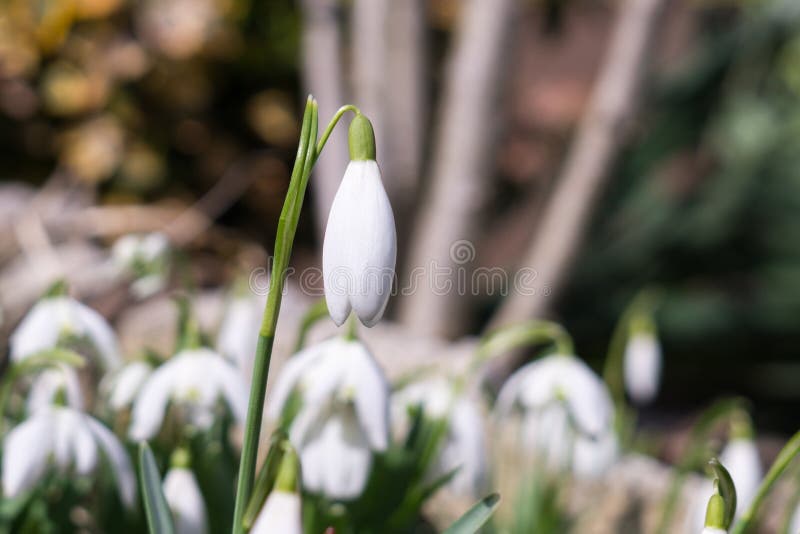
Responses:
[307,152]
[787,454]
[522,335]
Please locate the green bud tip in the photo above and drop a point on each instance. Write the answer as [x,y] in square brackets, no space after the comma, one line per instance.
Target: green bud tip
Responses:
[715,511]
[741,426]
[58,289]
[361,139]
[288,471]
[181,458]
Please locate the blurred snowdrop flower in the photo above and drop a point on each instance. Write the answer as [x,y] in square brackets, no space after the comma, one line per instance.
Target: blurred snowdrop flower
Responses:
[72,439]
[145,256]
[740,457]
[60,320]
[282,511]
[122,386]
[238,333]
[464,446]
[567,413]
[183,497]
[360,245]
[195,379]
[642,367]
[50,383]
[343,416]
[794,523]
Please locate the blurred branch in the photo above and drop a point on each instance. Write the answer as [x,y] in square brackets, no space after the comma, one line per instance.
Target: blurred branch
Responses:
[405,107]
[597,142]
[322,68]
[461,163]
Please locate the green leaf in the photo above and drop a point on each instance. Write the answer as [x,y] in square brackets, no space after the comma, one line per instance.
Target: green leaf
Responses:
[159,518]
[726,489]
[475,517]
[266,478]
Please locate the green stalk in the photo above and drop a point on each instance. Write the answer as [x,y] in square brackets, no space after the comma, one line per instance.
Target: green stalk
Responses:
[787,454]
[307,152]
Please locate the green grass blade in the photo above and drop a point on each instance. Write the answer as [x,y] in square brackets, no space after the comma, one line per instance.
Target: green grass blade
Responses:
[159,518]
[475,517]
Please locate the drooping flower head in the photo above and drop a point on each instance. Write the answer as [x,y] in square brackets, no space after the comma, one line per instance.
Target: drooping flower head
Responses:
[146,257]
[282,511]
[566,411]
[360,245]
[343,415]
[464,446]
[67,440]
[59,320]
[196,379]
[740,456]
[183,496]
[642,362]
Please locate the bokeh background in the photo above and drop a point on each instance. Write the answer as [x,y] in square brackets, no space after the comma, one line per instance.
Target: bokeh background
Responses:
[182,116]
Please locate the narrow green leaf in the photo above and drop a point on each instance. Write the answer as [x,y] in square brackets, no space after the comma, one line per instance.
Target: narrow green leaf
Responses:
[726,488]
[159,518]
[475,517]
[265,479]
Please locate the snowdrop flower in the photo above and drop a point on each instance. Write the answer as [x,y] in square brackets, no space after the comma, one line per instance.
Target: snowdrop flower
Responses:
[147,257]
[282,510]
[360,245]
[464,446]
[183,497]
[740,457]
[72,439]
[642,367]
[55,318]
[343,417]
[122,386]
[567,413]
[238,333]
[195,378]
[49,383]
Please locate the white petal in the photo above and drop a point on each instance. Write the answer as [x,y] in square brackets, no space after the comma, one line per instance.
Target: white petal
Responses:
[360,246]
[151,403]
[289,376]
[466,448]
[740,457]
[126,384]
[25,453]
[118,459]
[342,453]
[238,334]
[371,395]
[37,331]
[100,333]
[712,530]
[588,398]
[642,367]
[593,457]
[234,389]
[185,501]
[281,514]
[305,429]
[64,424]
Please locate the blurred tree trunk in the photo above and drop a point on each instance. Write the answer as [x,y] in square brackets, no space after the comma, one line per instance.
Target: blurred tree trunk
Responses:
[322,72]
[586,170]
[405,107]
[449,214]
[368,39]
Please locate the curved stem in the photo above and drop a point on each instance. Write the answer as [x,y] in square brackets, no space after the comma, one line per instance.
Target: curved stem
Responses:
[317,311]
[520,335]
[332,124]
[287,226]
